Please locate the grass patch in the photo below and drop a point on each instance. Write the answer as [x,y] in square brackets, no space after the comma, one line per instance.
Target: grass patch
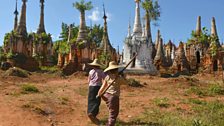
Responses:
[210,114]
[29,88]
[204,114]
[81,91]
[162,102]
[196,90]
[207,90]
[197,101]
[134,83]
[49,69]
[15,94]
[216,89]
[63,100]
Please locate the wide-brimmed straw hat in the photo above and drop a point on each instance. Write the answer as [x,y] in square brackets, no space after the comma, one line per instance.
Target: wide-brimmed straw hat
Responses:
[95,63]
[112,65]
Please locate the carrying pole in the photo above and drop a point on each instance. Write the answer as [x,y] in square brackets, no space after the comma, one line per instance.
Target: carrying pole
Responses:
[117,76]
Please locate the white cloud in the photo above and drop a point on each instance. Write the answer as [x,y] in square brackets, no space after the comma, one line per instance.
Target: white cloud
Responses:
[109,15]
[95,16]
[55,37]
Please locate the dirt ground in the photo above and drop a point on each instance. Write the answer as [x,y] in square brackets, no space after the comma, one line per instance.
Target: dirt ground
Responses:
[63,101]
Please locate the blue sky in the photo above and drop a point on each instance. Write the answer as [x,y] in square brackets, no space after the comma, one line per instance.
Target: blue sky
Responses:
[178,17]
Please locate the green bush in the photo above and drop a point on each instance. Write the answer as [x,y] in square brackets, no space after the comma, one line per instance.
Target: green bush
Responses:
[198,91]
[134,83]
[49,69]
[216,89]
[29,88]
[197,101]
[162,102]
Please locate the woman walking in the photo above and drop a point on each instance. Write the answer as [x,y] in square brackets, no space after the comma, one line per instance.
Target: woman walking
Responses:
[111,96]
[96,75]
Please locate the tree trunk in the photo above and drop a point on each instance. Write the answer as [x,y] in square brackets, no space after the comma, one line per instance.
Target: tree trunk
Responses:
[82,35]
[148,27]
[82,21]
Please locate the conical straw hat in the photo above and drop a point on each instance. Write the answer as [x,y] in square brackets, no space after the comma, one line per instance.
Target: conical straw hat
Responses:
[95,63]
[112,65]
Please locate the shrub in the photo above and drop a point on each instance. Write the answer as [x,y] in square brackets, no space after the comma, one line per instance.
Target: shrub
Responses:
[29,88]
[198,91]
[197,101]
[216,89]
[48,69]
[134,83]
[162,102]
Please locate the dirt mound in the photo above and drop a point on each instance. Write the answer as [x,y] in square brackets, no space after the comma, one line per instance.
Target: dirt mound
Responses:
[16,72]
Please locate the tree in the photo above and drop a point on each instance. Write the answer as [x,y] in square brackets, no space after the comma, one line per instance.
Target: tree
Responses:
[213,46]
[95,34]
[82,7]
[152,10]
[202,38]
[2,55]
[65,31]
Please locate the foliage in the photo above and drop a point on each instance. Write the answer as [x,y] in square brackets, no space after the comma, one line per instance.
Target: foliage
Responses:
[29,88]
[95,34]
[61,47]
[81,45]
[65,32]
[9,36]
[134,83]
[152,9]
[39,58]
[212,90]
[48,69]
[198,91]
[202,38]
[197,101]
[82,6]
[104,57]
[2,55]
[216,89]
[40,38]
[206,114]
[10,55]
[64,48]
[213,45]
[162,102]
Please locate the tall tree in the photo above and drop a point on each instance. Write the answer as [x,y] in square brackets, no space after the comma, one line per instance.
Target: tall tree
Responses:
[96,34]
[82,7]
[152,9]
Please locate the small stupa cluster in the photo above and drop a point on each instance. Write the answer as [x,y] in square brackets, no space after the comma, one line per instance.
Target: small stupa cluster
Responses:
[187,57]
[191,56]
[19,42]
[79,56]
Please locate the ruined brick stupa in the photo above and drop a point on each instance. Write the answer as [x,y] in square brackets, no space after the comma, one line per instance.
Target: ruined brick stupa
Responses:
[138,42]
